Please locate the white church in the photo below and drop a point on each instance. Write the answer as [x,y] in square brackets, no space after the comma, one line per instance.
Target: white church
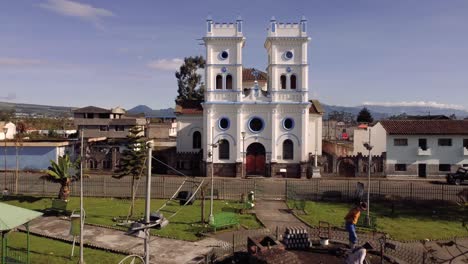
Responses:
[253,123]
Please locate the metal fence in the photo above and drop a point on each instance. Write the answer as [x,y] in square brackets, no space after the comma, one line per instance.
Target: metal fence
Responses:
[232,188]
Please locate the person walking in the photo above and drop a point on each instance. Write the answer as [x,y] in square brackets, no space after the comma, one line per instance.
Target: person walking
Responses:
[351,220]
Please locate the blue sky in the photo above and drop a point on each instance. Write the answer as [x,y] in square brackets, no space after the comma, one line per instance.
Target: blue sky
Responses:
[109,53]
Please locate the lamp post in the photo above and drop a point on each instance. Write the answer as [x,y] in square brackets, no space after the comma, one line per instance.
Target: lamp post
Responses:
[210,154]
[369,147]
[150,145]
[243,153]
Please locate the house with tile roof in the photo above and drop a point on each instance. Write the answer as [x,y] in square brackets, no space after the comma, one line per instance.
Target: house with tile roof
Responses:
[425,148]
[252,123]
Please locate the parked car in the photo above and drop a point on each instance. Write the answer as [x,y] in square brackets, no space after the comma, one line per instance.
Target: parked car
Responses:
[458,177]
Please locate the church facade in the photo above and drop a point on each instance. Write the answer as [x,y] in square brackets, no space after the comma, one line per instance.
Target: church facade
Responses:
[253,122]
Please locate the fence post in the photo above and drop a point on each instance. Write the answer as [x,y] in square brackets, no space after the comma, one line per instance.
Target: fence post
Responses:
[224,189]
[380,193]
[286,191]
[411,190]
[104,191]
[348,192]
[233,244]
[164,187]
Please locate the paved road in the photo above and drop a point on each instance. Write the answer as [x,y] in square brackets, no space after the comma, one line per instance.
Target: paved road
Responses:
[163,250]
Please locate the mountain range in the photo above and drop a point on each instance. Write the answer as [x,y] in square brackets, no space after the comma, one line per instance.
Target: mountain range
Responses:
[377,111]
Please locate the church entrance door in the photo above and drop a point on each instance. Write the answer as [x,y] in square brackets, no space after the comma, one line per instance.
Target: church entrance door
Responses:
[255,162]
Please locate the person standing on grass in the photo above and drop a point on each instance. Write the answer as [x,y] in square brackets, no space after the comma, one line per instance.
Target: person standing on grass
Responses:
[351,220]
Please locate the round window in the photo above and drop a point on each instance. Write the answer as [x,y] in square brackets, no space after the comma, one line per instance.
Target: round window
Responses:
[288,54]
[256,124]
[224,123]
[224,55]
[288,123]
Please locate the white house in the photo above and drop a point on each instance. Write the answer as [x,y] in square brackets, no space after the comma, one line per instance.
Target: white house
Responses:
[8,131]
[378,139]
[425,147]
[262,120]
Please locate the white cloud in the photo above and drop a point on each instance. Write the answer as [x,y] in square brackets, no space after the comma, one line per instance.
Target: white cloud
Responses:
[166,64]
[19,62]
[75,9]
[418,103]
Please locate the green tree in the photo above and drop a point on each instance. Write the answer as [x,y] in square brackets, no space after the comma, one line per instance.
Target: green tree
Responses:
[133,160]
[189,81]
[64,172]
[365,116]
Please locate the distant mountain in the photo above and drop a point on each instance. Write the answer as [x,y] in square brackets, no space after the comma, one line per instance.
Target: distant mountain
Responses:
[34,110]
[382,111]
[150,113]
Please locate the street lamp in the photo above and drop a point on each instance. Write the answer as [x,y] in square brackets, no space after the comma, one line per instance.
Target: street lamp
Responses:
[243,153]
[210,154]
[369,147]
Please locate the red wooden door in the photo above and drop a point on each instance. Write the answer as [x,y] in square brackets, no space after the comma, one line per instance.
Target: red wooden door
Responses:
[260,164]
[250,166]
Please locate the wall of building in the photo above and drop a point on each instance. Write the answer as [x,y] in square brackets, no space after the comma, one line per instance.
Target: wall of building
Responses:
[411,155]
[186,126]
[30,158]
[378,140]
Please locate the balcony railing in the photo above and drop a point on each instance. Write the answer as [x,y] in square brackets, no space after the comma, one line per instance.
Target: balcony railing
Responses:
[424,152]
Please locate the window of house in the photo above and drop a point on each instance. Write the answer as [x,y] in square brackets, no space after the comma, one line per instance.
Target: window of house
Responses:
[223,149]
[293,81]
[423,143]
[89,115]
[288,149]
[119,128]
[400,142]
[196,140]
[229,81]
[283,81]
[400,167]
[444,167]
[219,82]
[104,128]
[465,143]
[445,142]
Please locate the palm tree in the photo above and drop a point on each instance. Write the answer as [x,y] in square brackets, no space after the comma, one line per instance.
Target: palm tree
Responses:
[64,172]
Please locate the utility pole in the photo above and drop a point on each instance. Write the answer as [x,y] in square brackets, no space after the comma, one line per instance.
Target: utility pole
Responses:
[81,201]
[148,202]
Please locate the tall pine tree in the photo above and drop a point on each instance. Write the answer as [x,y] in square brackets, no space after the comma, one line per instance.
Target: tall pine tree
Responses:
[133,161]
[365,116]
[189,81]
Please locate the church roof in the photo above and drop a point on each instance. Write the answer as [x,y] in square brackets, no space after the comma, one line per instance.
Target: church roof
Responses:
[247,75]
[316,107]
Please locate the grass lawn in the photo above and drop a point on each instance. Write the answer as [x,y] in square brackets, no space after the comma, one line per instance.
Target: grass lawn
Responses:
[409,222]
[185,225]
[50,251]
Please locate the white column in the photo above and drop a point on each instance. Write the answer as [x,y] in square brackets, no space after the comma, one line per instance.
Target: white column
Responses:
[274,133]
[304,133]
[240,128]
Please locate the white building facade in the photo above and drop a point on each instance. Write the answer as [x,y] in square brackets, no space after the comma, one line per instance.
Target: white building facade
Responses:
[262,125]
[425,148]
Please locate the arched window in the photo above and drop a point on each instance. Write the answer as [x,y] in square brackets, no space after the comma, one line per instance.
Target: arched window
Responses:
[196,140]
[283,81]
[229,81]
[219,82]
[288,150]
[293,81]
[223,149]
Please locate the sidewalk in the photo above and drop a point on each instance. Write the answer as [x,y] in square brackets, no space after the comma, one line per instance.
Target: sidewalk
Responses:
[163,250]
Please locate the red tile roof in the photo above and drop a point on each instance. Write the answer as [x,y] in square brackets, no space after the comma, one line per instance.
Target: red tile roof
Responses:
[426,127]
[248,76]
[316,107]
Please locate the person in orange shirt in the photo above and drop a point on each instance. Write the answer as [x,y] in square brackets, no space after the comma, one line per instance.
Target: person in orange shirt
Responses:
[351,220]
